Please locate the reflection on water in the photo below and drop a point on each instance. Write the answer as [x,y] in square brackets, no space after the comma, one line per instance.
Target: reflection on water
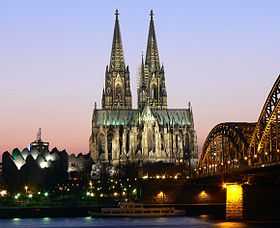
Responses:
[232,225]
[178,222]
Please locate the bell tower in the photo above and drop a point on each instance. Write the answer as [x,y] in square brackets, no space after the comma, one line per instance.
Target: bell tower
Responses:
[151,88]
[117,93]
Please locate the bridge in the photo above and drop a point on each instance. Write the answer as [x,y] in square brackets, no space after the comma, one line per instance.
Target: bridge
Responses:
[236,146]
[245,157]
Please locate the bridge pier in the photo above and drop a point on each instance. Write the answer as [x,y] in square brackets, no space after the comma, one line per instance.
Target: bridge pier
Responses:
[234,201]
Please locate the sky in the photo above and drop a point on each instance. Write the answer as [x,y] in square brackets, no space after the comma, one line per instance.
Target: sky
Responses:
[223,56]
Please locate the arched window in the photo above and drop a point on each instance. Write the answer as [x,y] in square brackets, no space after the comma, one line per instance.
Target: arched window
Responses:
[109,142]
[101,145]
[154,92]
[119,93]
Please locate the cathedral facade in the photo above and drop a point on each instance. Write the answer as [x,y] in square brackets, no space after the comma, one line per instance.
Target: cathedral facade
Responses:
[150,133]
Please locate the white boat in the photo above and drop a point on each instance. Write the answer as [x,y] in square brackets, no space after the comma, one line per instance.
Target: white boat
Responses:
[137,210]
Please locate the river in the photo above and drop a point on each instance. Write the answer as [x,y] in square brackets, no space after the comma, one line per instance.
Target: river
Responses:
[172,222]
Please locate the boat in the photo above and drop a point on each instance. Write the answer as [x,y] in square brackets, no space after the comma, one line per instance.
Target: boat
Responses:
[132,209]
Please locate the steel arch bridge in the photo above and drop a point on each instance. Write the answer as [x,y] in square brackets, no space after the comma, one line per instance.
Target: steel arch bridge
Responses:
[237,145]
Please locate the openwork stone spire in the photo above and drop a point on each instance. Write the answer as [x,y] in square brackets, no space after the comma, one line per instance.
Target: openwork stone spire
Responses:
[152,55]
[117,93]
[151,89]
[117,56]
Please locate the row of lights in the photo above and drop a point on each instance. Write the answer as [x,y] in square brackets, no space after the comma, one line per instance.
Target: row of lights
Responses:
[30,195]
[162,177]
[115,194]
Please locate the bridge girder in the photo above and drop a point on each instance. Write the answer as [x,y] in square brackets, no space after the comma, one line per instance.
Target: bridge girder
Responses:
[259,145]
[225,146]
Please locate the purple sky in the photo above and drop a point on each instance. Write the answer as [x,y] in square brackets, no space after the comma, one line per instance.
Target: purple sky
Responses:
[221,56]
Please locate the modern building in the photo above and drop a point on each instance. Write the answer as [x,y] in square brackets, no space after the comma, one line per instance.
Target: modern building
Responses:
[149,133]
[39,144]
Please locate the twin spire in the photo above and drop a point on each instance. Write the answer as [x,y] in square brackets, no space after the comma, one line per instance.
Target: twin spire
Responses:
[117,53]
[117,93]
[117,56]
[152,55]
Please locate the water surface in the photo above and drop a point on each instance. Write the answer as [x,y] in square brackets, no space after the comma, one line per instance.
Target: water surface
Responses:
[176,222]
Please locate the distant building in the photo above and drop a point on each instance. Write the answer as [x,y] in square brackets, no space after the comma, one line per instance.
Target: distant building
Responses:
[150,133]
[38,144]
[42,168]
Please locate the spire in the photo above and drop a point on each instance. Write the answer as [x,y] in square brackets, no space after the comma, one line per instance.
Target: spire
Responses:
[117,57]
[142,65]
[152,55]
[39,135]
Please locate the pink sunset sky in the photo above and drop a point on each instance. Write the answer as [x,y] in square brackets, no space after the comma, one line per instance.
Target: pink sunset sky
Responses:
[223,57]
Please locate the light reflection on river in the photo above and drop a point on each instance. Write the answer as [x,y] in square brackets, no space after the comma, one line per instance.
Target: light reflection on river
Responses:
[118,222]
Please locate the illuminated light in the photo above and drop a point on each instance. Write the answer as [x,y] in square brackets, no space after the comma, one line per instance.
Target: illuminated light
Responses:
[92,194]
[161,196]
[245,158]
[222,163]
[224,185]
[214,154]
[19,163]
[25,188]
[46,218]
[50,157]
[125,189]
[234,201]
[176,177]
[3,193]
[16,219]
[134,191]
[115,194]
[17,195]
[204,216]
[266,153]
[228,162]
[101,195]
[88,218]
[30,196]
[123,193]
[188,177]
[278,150]
[195,170]
[39,193]
[203,195]
[255,155]
[43,164]
[88,193]
[163,177]
[262,165]
[46,194]
[204,167]
[157,176]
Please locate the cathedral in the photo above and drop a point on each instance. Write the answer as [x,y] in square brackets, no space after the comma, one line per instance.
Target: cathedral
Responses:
[149,133]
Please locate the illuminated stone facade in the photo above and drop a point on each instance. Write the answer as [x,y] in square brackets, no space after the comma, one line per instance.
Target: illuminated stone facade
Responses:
[152,132]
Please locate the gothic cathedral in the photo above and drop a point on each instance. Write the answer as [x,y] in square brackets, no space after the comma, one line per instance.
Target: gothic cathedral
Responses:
[150,133]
